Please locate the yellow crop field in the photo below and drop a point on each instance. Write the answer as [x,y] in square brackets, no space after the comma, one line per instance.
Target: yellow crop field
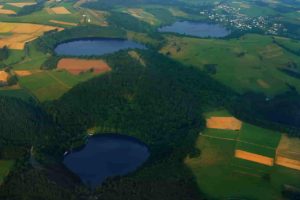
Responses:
[22,33]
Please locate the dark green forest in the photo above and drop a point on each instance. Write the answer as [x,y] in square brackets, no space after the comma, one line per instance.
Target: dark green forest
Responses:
[160,103]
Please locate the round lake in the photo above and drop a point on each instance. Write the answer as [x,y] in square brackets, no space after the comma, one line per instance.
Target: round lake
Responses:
[197,29]
[95,46]
[106,156]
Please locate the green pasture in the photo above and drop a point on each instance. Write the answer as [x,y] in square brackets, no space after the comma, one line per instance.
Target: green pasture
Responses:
[32,60]
[15,56]
[50,85]
[291,44]
[250,62]
[260,136]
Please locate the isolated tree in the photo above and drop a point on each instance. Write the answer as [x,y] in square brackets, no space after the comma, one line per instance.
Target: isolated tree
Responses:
[4,53]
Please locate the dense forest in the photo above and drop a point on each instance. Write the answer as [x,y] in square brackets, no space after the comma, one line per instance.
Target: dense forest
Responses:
[160,103]
[22,125]
[279,113]
[157,103]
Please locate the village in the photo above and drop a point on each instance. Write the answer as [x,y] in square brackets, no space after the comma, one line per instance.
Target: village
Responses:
[233,17]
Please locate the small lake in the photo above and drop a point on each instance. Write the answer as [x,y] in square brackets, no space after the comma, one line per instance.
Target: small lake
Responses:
[197,29]
[106,156]
[95,46]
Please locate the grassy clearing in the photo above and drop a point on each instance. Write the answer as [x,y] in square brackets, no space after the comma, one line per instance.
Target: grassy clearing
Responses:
[141,14]
[5,166]
[242,64]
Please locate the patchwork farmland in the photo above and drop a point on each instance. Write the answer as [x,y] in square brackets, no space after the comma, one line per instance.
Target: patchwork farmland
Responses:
[245,160]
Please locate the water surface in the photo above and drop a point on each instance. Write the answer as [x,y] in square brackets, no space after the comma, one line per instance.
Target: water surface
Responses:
[94,46]
[106,156]
[197,29]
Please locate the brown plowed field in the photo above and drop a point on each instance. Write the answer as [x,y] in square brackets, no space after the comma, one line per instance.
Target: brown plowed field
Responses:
[227,123]
[76,66]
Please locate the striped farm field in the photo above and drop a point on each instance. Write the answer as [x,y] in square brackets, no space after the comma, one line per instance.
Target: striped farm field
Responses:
[288,152]
[287,162]
[254,157]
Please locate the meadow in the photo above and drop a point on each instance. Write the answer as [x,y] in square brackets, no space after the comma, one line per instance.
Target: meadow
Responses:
[50,85]
[250,62]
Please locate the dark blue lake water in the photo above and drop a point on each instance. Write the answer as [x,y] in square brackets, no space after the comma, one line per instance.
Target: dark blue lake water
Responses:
[106,156]
[96,47]
[197,29]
